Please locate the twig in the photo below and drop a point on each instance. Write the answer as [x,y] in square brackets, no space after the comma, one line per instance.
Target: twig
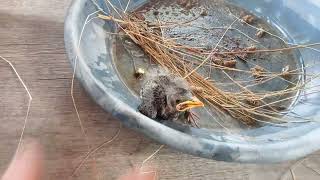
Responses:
[92,151]
[151,156]
[211,53]
[98,7]
[292,174]
[171,55]
[269,50]
[73,78]
[311,168]
[271,34]
[111,18]
[119,1]
[114,8]
[292,168]
[125,10]
[29,101]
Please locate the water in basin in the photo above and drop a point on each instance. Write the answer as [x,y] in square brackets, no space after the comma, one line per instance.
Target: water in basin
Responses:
[211,15]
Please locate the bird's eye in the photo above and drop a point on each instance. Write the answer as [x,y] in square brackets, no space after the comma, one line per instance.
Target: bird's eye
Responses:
[178,101]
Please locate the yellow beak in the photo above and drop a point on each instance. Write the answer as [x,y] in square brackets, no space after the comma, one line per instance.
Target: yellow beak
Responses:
[187,105]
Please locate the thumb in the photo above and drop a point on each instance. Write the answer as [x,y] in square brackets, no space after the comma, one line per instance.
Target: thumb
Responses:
[139,175]
[27,164]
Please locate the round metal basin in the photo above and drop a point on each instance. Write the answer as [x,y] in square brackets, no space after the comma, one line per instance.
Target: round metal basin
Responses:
[92,55]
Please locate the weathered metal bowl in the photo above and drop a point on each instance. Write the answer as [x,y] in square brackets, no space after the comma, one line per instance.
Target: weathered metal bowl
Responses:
[92,57]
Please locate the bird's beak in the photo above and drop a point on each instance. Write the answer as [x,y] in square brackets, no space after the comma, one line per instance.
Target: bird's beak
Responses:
[187,105]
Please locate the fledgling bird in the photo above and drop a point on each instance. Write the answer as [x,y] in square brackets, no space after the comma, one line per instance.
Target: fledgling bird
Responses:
[166,97]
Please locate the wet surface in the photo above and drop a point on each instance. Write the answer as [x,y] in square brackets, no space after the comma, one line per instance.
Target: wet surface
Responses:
[204,24]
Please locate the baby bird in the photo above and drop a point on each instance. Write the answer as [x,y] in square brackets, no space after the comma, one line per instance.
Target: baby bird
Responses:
[166,97]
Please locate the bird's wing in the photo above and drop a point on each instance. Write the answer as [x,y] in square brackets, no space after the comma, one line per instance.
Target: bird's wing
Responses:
[148,109]
[146,92]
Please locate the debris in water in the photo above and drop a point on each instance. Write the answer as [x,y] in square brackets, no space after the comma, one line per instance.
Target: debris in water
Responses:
[260,33]
[285,72]
[140,16]
[156,13]
[139,73]
[251,48]
[204,13]
[258,72]
[218,61]
[187,4]
[230,63]
[254,101]
[248,19]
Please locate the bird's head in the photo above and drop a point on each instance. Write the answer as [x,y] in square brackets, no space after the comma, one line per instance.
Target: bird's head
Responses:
[182,100]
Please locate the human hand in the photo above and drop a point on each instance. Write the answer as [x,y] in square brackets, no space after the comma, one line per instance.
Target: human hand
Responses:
[139,175]
[27,164]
